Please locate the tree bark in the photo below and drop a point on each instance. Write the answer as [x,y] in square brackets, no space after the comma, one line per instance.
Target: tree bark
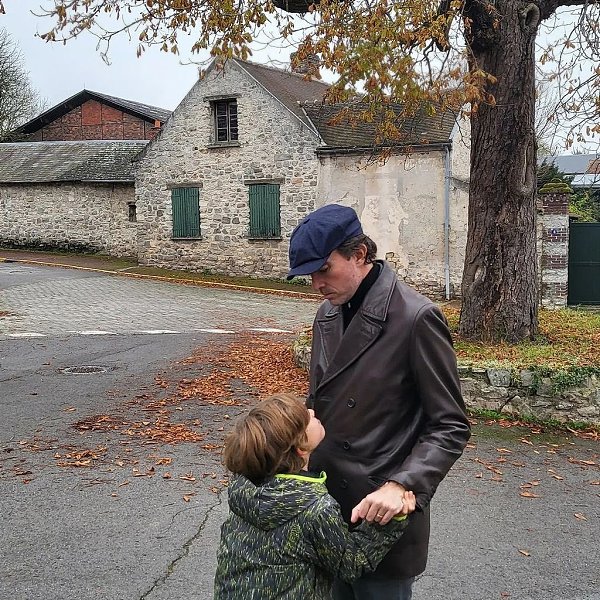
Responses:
[500,282]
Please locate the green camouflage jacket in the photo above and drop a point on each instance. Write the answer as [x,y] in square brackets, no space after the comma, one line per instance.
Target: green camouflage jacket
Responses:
[286,540]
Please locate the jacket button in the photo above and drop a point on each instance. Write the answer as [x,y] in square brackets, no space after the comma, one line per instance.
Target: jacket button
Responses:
[346,445]
[351,403]
[343,484]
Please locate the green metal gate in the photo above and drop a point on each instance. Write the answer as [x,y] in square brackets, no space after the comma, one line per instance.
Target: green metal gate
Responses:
[584,263]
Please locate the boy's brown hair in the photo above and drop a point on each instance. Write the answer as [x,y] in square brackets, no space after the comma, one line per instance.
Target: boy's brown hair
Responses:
[266,441]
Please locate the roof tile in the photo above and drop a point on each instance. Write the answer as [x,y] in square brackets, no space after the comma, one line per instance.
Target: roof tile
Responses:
[44,162]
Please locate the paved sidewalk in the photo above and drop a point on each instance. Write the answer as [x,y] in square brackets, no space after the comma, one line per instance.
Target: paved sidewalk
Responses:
[130,268]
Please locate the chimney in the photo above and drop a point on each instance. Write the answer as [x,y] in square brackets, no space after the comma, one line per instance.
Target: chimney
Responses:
[309,65]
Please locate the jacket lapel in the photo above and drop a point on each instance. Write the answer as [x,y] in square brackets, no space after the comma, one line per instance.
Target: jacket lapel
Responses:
[362,332]
[358,337]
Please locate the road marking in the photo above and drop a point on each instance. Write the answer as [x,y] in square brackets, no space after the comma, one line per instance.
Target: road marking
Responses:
[94,332]
[155,331]
[214,330]
[269,330]
[26,335]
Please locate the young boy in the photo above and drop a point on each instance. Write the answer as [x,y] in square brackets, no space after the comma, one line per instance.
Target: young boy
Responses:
[285,537]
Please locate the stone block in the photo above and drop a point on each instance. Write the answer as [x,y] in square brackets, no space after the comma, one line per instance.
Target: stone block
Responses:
[493,391]
[589,411]
[527,378]
[540,404]
[545,387]
[499,377]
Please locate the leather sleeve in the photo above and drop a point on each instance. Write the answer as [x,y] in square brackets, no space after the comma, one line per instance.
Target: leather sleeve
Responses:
[446,428]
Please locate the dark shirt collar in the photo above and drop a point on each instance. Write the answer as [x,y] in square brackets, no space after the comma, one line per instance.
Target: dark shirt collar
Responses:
[350,308]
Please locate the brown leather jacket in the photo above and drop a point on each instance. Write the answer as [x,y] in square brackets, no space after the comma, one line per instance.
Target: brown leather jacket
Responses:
[388,393]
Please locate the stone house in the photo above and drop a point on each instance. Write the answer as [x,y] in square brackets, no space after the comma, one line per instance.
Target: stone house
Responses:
[67,179]
[227,176]
[251,149]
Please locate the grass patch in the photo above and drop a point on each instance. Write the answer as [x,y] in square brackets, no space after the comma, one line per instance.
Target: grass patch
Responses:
[568,342]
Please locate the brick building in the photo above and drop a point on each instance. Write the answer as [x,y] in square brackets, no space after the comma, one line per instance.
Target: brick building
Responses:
[93,116]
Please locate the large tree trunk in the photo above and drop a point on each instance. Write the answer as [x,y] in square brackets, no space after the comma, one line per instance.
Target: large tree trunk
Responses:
[500,282]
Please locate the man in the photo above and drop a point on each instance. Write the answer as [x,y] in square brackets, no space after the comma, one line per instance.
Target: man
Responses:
[384,383]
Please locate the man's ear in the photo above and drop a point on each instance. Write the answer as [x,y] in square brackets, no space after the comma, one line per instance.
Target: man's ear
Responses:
[361,254]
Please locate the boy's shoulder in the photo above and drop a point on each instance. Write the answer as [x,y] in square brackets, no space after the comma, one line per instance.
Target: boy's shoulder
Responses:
[307,485]
[312,489]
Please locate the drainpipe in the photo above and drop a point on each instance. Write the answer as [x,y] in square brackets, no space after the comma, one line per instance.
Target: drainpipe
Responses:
[447,177]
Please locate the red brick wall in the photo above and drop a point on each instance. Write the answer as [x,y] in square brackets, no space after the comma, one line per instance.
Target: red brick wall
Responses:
[96,121]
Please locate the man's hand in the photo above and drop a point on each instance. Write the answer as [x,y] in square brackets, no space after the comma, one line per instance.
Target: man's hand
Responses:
[382,505]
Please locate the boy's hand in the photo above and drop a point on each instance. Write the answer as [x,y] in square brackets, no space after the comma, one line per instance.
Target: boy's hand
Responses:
[382,505]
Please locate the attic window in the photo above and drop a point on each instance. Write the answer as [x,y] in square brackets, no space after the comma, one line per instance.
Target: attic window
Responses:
[225,120]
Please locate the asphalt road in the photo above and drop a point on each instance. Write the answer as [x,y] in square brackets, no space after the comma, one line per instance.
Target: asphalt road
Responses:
[517,518]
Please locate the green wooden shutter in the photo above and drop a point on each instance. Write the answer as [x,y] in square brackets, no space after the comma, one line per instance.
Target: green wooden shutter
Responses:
[186,212]
[265,219]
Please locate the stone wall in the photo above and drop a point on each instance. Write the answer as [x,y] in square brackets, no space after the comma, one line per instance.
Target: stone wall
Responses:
[274,146]
[518,394]
[401,205]
[68,216]
[526,393]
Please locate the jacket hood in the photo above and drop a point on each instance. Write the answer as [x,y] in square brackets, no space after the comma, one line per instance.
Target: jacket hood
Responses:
[275,502]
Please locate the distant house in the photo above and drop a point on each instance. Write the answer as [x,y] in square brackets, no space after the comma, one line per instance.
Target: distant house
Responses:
[583,168]
[69,182]
[251,149]
[94,116]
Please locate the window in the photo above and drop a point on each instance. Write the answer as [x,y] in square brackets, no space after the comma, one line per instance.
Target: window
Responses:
[186,212]
[226,122]
[265,219]
[132,212]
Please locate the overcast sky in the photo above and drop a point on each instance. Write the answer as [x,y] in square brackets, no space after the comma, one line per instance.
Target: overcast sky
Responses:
[59,71]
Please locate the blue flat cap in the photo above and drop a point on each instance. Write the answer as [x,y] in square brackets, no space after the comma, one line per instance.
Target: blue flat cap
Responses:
[318,235]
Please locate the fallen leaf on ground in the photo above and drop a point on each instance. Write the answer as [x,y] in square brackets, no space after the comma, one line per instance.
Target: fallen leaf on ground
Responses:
[580,516]
[587,463]
[524,553]
[527,494]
